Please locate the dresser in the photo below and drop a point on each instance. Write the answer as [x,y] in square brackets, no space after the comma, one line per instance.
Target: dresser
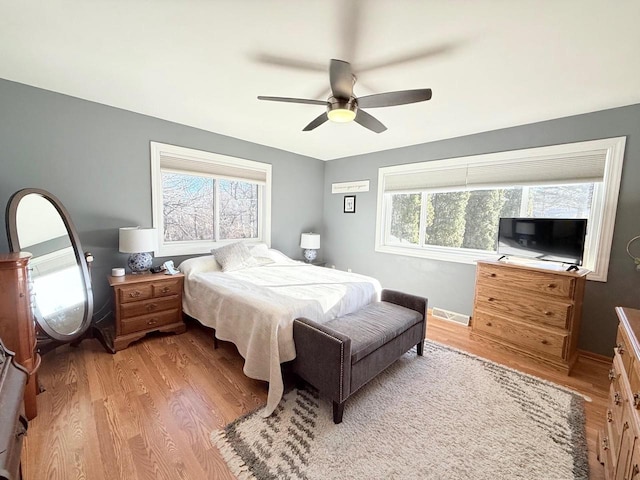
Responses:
[13,422]
[146,303]
[619,444]
[17,324]
[531,310]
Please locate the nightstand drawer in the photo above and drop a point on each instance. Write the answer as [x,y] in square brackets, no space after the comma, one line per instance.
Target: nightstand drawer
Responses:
[167,287]
[540,340]
[523,307]
[154,305]
[135,293]
[147,322]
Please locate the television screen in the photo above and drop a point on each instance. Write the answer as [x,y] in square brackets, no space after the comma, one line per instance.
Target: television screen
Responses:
[552,239]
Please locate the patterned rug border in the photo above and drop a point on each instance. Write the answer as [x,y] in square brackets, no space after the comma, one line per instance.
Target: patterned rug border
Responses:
[242,471]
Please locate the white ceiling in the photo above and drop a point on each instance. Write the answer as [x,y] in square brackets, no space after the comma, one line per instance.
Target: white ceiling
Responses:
[202,63]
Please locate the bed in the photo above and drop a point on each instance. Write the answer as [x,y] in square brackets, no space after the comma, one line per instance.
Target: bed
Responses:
[254,305]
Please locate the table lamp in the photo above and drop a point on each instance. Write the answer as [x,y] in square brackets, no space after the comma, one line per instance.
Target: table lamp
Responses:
[311,243]
[139,242]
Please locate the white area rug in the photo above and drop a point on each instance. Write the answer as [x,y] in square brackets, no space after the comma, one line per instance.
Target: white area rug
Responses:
[447,415]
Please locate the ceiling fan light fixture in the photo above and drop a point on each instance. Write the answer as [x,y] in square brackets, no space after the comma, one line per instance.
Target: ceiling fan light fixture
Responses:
[341,111]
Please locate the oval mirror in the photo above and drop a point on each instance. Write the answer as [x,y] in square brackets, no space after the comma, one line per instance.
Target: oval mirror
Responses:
[62,295]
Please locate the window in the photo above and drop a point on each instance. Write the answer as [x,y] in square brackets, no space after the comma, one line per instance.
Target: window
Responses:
[449,209]
[203,200]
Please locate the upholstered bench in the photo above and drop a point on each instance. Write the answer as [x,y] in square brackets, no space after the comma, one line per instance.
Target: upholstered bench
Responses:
[340,356]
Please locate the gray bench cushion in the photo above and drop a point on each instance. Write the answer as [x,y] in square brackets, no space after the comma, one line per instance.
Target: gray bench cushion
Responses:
[374,326]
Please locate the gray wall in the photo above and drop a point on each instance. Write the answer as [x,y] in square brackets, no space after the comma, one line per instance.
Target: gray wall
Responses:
[96,160]
[348,241]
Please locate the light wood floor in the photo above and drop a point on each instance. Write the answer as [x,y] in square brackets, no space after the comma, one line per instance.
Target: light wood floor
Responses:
[147,411]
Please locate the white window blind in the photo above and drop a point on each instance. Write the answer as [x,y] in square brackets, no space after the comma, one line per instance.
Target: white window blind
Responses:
[218,168]
[474,173]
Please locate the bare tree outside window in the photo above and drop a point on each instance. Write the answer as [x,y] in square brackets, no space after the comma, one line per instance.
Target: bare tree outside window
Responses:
[189,208]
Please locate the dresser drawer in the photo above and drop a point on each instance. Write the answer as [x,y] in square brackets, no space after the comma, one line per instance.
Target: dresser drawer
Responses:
[129,310]
[167,287]
[623,349]
[543,341]
[523,307]
[526,281]
[135,293]
[149,322]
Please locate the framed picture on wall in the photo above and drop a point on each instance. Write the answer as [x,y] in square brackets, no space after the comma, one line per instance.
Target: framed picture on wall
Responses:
[349,204]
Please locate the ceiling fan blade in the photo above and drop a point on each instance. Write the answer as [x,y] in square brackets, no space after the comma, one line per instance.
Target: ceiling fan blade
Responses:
[289,62]
[390,99]
[293,100]
[370,122]
[341,79]
[409,57]
[316,122]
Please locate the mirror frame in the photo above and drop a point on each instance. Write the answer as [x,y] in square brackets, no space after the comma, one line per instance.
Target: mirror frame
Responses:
[14,246]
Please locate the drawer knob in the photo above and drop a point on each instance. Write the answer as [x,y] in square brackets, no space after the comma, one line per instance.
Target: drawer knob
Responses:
[134,294]
[548,314]
[635,471]
[545,341]
[605,443]
[492,275]
[153,321]
[491,299]
[489,324]
[636,400]
[152,306]
[612,374]
[620,348]
[625,427]
[609,416]
[165,290]
[617,398]
[552,285]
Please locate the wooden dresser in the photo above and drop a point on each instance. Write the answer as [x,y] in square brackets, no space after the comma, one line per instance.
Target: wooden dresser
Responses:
[17,324]
[146,303]
[13,422]
[619,445]
[534,311]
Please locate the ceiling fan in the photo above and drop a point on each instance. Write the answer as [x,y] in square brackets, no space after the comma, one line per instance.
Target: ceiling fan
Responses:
[343,106]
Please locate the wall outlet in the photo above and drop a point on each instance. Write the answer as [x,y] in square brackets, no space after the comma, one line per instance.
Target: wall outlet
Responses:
[349,270]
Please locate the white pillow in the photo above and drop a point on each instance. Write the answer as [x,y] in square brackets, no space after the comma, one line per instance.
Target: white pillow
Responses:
[234,256]
[194,265]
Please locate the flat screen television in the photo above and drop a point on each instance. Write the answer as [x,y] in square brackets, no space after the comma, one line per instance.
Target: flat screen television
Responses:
[552,239]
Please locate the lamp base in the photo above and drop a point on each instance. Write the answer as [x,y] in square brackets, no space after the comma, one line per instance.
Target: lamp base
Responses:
[310,255]
[140,262]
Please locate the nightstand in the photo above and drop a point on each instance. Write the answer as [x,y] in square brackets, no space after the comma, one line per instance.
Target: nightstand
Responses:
[317,263]
[146,303]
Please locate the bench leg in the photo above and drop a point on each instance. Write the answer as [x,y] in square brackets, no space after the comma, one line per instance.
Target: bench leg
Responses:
[338,410]
[215,340]
[420,348]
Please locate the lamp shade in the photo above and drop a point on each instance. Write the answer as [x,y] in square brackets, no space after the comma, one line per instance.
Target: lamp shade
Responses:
[310,240]
[137,240]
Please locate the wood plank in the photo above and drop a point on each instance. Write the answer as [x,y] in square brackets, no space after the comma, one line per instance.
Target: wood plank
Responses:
[151,407]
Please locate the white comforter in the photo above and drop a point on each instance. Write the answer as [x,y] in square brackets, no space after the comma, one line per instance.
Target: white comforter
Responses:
[255,307]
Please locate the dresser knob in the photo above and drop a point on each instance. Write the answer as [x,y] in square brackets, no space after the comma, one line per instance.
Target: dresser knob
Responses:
[548,314]
[545,341]
[605,443]
[609,416]
[134,294]
[612,374]
[635,471]
[492,275]
[552,285]
[153,321]
[152,306]
[165,290]
[490,299]
[620,348]
[636,400]
[617,398]
[489,324]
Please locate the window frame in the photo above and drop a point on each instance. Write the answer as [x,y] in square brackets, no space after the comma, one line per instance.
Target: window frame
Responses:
[603,213]
[192,247]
